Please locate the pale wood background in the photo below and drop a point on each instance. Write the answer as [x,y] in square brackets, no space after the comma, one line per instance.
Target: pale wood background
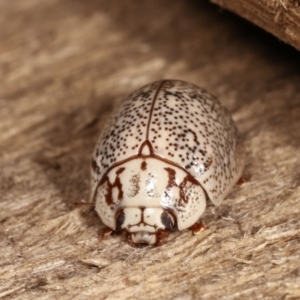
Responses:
[63,66]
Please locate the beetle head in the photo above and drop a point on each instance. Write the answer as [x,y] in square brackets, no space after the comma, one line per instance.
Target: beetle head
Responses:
[145,226]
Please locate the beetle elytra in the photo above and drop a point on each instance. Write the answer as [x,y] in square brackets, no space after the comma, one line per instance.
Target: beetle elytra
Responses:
[168,148]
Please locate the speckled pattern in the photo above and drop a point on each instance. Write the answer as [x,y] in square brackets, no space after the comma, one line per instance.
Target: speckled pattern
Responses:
[184,124]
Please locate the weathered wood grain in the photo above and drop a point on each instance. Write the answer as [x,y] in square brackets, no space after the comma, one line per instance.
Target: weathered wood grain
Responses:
[279,17]
[63,66]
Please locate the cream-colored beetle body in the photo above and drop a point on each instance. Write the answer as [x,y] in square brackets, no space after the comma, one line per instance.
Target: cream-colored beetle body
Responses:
[168,148]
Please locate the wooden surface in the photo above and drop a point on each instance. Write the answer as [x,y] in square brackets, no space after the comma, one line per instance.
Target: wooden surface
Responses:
[63,66]
[279,17]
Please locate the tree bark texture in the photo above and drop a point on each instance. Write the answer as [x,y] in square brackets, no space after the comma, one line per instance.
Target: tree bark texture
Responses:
[279,17]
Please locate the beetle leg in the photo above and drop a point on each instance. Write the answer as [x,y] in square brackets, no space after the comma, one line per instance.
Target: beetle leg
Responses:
[243,179]
[161,237]
[106,232]
[198,227]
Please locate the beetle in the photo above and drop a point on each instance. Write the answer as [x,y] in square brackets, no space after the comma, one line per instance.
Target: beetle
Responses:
[167,149]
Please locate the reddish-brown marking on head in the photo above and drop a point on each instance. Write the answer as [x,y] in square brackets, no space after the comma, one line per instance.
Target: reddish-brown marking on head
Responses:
[171,182]
[144,166]
[117,183]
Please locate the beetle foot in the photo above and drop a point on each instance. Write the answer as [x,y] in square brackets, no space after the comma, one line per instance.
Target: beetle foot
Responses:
[243,179]
[161,237]
[106,232]
[198,227]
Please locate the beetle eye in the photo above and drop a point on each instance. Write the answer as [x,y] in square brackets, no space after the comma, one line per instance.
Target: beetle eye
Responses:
[120,221]
[168,220]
